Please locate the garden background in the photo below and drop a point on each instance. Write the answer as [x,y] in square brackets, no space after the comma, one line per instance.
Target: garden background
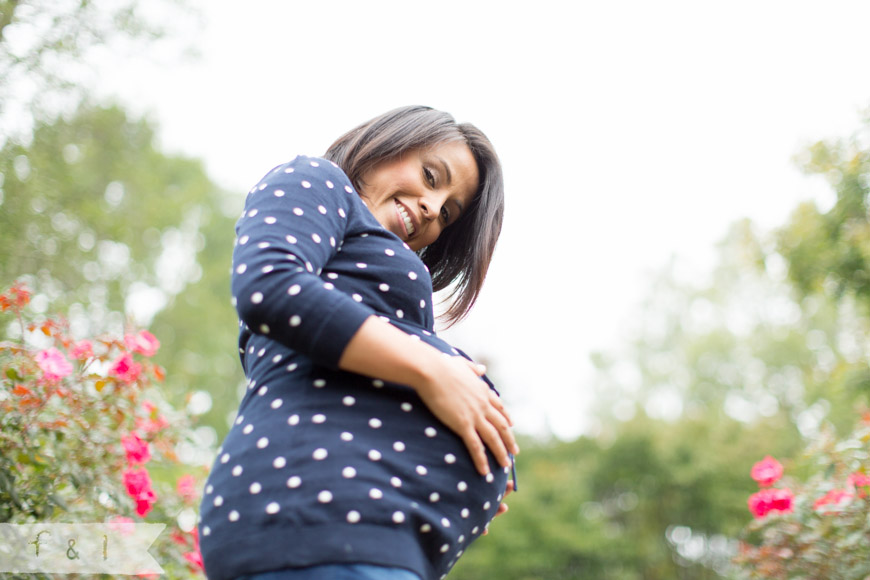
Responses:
[668,305]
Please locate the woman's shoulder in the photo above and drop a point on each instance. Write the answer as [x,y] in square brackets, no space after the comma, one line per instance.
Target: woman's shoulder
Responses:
[305,167]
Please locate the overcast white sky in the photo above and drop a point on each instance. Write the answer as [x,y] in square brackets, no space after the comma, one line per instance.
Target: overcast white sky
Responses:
[629,132]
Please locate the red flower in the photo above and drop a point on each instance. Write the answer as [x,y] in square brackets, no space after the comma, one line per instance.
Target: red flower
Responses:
[767,471]
[834,498]
[138,484]
[142,342]
[187,488]
[125,369]
[53,364]
[137,449]
[82,350]
[769,500]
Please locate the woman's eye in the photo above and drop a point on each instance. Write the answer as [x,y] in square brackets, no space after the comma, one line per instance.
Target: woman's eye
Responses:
[445,214]
[430,178]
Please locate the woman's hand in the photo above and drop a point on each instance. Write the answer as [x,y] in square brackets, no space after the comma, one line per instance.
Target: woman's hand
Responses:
[455,394]
[450,386]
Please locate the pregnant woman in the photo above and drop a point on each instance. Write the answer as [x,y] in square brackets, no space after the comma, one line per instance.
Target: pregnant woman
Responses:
[365,446]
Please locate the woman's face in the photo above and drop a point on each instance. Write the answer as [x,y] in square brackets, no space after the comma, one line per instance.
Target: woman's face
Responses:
[422,192]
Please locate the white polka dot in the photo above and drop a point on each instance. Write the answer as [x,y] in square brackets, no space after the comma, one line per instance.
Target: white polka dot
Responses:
[395,481]
[257,297]
[389,252]
[341,212]
[294,289]
[294,482]
[361,265]
[262,246]
[263,442]
[347,436]
[357,297]
[316,238]
[412,275]
[264,329]
[292,367]
[399,446]
[422,304]
[298,211]
[209,488]
[277,403]
[375,493]
[384,287]
[445,522]
[261,352]
[241,268]
[248,428]
[314,164]
[252,213]
[462,486]
[375,423]
[400,314]
[321,209]
[293,420]
[353,517]
[218,501]
[331,241]
[320,453]
[348,189]
[295,320]
[487,505]
[279,193]
[489,478]
[225,457]
[328,285]
[464,513]
[237,470]
[324,496]
[460,539]
[270,220]
[425,528]
[234,516]
[430,432]
[475,529]
[291,239]
[273,508]
[244,240]
[319,383]
[407,407]
[450,458]
[434,496]
[332,276]
[318,418]
[422,470]
[378,383]
[398,517]
[375,455]
[306,184]
[348,401]
[329,184]
[263,390]
[255,488]
[279,462]
[206,531]
[348,472]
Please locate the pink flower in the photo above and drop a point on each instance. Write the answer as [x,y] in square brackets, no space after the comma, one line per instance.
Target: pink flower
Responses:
[136,448]
[142,342]
[769,500]
[138,484]
[53,364]
[767,471]
[82,350]
[195,558]
[860,481]
[153,422]
[125,369]
[187,488]
[122,524]
[833,498]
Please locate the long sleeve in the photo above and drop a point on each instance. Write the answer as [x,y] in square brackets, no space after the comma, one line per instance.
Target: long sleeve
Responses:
[294,223]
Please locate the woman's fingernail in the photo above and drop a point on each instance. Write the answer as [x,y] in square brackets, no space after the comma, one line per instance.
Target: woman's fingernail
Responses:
[481,367]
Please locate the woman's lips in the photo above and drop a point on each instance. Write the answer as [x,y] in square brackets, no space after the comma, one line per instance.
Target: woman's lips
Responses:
[405,219]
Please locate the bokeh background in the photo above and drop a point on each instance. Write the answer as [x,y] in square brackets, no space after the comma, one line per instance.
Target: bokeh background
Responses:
[679,288]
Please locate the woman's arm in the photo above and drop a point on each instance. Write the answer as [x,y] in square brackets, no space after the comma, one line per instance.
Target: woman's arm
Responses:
[450,387]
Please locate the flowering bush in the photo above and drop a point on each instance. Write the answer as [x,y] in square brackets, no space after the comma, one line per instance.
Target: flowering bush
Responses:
[822,530]
[86,435]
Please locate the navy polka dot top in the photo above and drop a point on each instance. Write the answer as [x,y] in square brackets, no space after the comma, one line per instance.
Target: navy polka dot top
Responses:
[322,465]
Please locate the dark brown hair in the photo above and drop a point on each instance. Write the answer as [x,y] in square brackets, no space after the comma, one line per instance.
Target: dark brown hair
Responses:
[461,254]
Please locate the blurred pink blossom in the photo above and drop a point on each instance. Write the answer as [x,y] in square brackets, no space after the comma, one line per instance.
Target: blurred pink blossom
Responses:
[769,500]
[138,484]
[142,342]
[53,364]
[767,471]
[125,369]
[187,488]
[82,350]
[137,449]
[122,524]
[833,498]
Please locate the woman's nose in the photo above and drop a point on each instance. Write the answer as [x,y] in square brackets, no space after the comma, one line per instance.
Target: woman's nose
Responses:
[429,206]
